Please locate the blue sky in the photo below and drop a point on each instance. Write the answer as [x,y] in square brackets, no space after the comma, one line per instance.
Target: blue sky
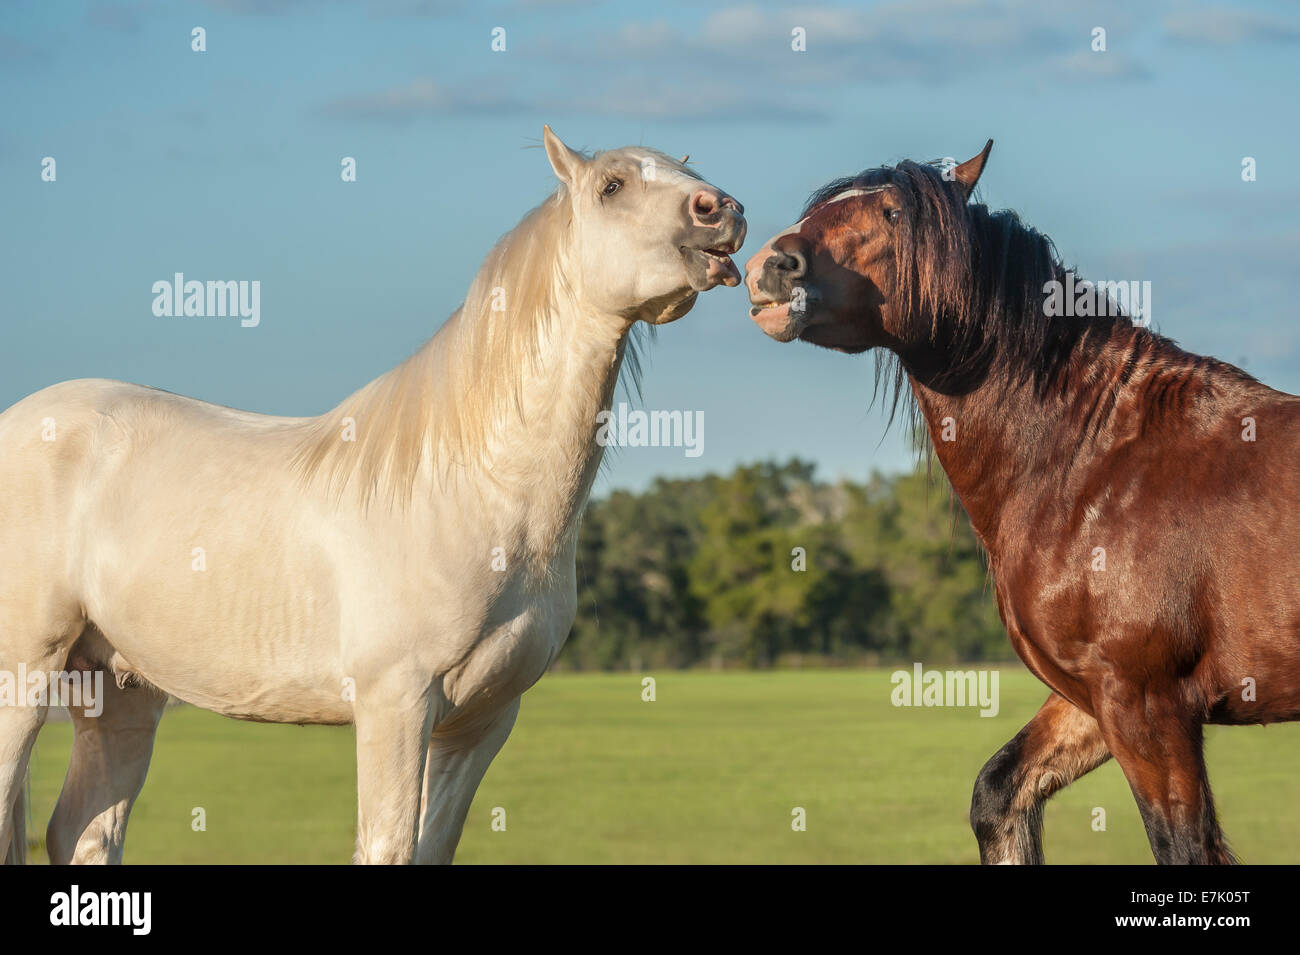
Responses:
[225,165]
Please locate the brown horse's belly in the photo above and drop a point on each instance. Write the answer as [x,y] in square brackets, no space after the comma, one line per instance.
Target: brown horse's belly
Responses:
[1257,692]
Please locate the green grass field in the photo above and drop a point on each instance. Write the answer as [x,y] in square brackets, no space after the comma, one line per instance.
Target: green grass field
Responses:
[709,773]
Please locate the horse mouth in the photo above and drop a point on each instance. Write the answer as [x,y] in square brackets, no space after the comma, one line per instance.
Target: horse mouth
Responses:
[713,266]
[776,320]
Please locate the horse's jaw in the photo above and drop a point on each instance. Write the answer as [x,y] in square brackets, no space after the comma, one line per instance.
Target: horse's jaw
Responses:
[665,308]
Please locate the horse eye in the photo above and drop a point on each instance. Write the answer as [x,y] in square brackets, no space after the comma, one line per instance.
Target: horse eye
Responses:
[893,215]
[611,187]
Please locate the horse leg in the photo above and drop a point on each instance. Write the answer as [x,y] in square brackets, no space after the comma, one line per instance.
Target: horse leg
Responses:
[20,722]
[1160,748]
[19,726]
[1056,747]
[110,759]
[455,767]
[392,741]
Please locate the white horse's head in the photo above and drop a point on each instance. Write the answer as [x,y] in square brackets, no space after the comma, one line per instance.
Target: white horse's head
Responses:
[649,234]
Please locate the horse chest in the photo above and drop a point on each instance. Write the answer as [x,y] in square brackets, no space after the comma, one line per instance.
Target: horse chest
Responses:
[1042,616]
[521,638]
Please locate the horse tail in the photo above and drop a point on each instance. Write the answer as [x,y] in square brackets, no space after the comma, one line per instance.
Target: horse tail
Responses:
[17,851]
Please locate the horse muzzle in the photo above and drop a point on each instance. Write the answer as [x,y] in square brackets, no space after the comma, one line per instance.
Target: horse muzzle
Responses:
[774,279]
[712,243]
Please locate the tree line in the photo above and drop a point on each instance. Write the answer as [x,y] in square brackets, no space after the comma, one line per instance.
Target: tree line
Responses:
[768,566]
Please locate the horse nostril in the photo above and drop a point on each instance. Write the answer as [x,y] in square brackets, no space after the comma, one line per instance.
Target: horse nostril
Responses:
[703,203]
[791,263]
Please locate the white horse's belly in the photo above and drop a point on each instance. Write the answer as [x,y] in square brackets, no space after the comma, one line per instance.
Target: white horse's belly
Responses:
[256,637]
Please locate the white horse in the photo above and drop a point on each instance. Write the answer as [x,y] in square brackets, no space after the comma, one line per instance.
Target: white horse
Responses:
[404,562]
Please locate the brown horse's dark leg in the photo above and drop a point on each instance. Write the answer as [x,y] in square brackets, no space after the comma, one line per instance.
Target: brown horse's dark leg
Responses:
[1060,744]
[1160,751]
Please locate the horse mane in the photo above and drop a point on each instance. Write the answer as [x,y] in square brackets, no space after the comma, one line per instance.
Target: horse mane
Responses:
[972,280]
[445,404]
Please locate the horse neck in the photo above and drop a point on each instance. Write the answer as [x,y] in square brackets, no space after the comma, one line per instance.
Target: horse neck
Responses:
[541,457]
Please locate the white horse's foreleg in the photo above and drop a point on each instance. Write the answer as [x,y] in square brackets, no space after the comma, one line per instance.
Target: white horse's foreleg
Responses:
[18,728]
[455,767]
[110,759]
[20,721]
[392,739]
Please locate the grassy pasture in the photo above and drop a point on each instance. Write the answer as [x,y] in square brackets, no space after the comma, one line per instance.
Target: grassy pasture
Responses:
[708,773]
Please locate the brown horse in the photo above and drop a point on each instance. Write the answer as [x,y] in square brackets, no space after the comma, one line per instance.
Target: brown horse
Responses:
[1137,502]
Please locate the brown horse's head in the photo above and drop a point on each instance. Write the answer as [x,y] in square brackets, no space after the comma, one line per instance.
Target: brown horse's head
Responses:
[870,256]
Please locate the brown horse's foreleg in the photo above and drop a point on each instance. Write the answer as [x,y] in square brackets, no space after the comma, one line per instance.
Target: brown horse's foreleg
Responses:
[1160,750]
[1060,744]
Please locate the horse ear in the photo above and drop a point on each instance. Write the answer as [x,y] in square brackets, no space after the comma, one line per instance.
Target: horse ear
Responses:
[564,160]
[969,172]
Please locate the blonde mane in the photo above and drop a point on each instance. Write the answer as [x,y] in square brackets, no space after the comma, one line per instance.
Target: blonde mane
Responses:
[445,402]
